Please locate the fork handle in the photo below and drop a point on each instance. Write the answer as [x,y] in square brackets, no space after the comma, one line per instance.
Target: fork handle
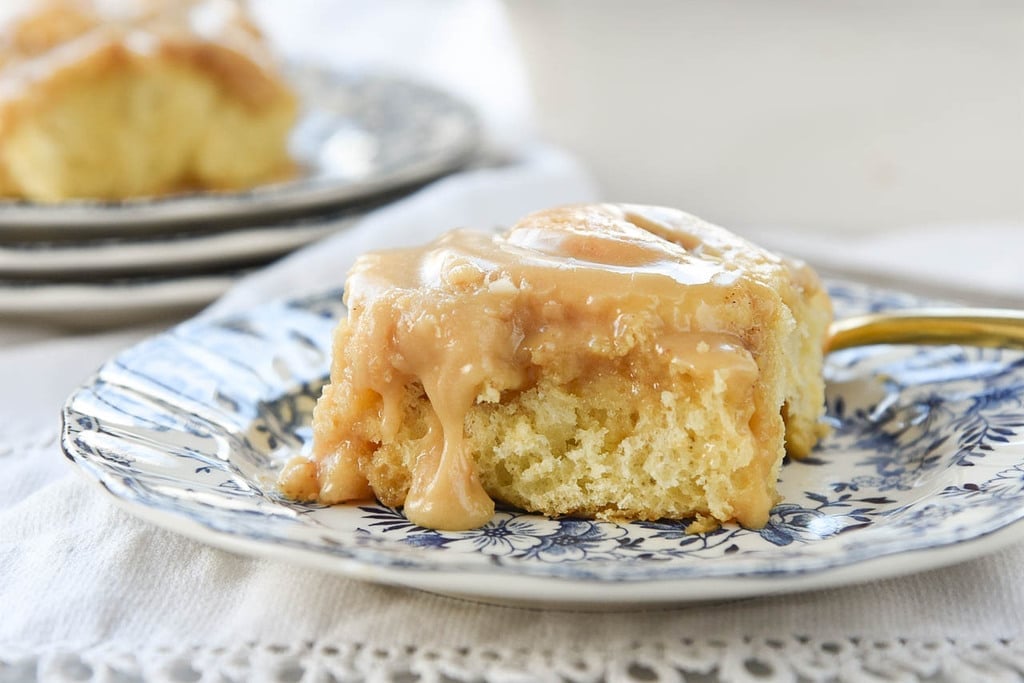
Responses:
[991,327]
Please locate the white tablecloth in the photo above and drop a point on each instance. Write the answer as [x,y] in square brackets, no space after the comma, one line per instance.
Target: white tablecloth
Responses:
[88,592]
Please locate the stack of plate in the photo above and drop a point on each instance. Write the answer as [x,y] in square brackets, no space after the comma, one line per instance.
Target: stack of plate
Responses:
[362,141]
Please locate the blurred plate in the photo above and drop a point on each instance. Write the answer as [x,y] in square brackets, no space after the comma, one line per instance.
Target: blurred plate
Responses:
[359,135]
[93,305]
[174,253]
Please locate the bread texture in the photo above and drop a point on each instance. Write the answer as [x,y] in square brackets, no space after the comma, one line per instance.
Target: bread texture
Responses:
[617,362]
[138,98]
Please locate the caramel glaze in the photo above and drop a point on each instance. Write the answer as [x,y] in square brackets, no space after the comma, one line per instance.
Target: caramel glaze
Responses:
[45,42]
[474,316]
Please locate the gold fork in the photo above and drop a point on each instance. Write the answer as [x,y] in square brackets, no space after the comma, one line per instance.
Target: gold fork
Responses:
[991,327]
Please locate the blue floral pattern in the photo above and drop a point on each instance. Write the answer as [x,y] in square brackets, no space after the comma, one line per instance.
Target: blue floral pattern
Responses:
[190,426]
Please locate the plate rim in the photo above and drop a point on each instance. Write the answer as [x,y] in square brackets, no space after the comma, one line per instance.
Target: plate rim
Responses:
[97,305]
[527,590]
[174,253]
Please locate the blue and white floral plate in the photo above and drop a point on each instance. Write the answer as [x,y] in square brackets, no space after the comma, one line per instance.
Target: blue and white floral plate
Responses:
[925,468]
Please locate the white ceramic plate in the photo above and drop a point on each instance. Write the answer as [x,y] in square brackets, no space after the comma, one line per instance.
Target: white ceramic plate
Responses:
[166,254]
[93,305]
[359,135]
[924,468]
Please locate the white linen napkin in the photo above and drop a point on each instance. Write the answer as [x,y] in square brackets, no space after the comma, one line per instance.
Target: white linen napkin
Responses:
[88,592]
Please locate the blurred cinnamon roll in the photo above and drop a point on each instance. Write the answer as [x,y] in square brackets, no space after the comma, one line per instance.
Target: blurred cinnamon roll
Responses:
[120,98]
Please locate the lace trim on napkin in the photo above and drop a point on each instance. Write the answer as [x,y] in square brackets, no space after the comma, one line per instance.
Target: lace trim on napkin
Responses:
[743,661]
